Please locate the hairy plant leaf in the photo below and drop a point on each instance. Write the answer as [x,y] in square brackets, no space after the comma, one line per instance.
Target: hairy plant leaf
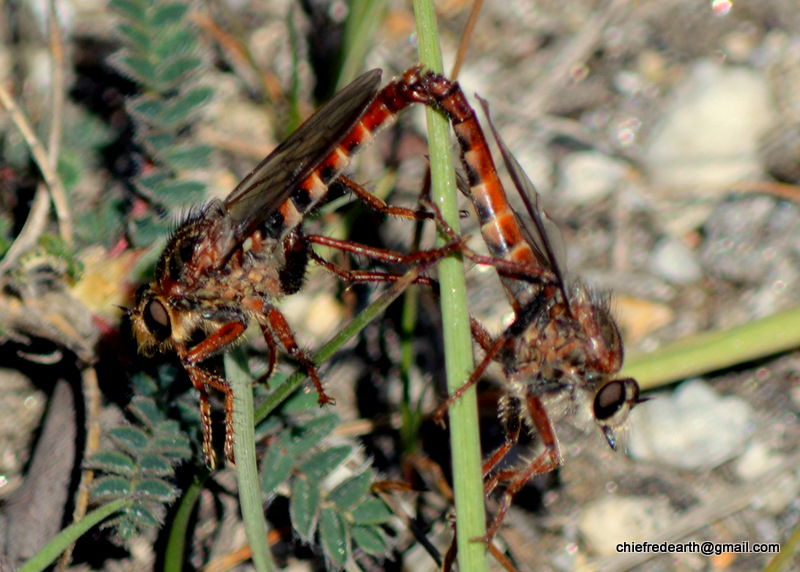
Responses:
[182,109]
[110,488]
[139,68]
[324,462]
[166,14]
[334,537]
[129,438]
[370,539]
[147,411]
[176,447]
[142,515]
[146,108]
[275,468]
[351,491]
[134,37]
[371,511]
[148,230]
[126,528]
[303,507]
[155,465]
[151,182]
[188,157]
[177,71]
[156,489]
[136,11]
[112,462]
[176,193]
[172,47]
[158,143]
[303,439]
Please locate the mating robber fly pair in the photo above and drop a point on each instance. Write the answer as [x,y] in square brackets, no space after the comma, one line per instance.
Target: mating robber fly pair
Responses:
[229,262]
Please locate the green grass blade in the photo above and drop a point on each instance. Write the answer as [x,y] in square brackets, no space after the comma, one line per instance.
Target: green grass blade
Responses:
[712,351]
[244,450]
[463,415]
[175,552]
[70,535]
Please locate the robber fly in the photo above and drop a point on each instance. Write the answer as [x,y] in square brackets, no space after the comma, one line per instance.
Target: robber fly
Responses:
[563,340]
[229,261]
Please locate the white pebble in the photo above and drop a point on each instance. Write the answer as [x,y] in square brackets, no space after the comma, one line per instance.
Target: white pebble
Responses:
[693,429]
[614,519]
[674,262]
[588,176]
[710,134]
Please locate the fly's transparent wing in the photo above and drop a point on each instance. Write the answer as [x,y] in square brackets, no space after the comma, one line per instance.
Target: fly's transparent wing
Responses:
[542,233]
[271,183]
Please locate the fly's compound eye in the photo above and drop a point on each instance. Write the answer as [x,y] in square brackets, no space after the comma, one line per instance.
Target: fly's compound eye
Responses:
[612,404]
[156,319]
[609,400]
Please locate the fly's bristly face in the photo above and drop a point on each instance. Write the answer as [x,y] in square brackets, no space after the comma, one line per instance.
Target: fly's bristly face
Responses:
[151,322]
[158,326]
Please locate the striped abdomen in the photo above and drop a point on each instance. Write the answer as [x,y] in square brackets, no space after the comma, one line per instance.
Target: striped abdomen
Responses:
[500,226]
[309,192]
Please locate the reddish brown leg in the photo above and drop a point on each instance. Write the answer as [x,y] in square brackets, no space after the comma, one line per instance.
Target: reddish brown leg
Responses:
[384,255]
[272,355]
[480,335]
[491,352]
[367,276]
[280,328]
[205,417]
[202,379]
[548,460]
[380,205]
[225,336]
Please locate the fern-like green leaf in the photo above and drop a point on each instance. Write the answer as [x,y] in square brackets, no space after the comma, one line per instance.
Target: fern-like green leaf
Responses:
[131,9]
[139,68]
[370,539]
[335,541]
[130,439]
[324,462]
[303,508]
[168,14]
[371,511]
[155,489]
[110,488]
[112,462]
[351,491]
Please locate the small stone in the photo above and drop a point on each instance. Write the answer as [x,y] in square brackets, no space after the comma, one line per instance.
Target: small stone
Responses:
[674,262]
[589,176]
[615,519]
[639,317]
[710,135]
[693,429]
[757,461]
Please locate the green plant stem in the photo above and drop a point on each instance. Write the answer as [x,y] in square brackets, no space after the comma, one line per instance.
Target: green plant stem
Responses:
[711,351]
[244,450]
[363,19]
[463,414]
[67,537]
[411,413]
[176,543]
[784,560]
